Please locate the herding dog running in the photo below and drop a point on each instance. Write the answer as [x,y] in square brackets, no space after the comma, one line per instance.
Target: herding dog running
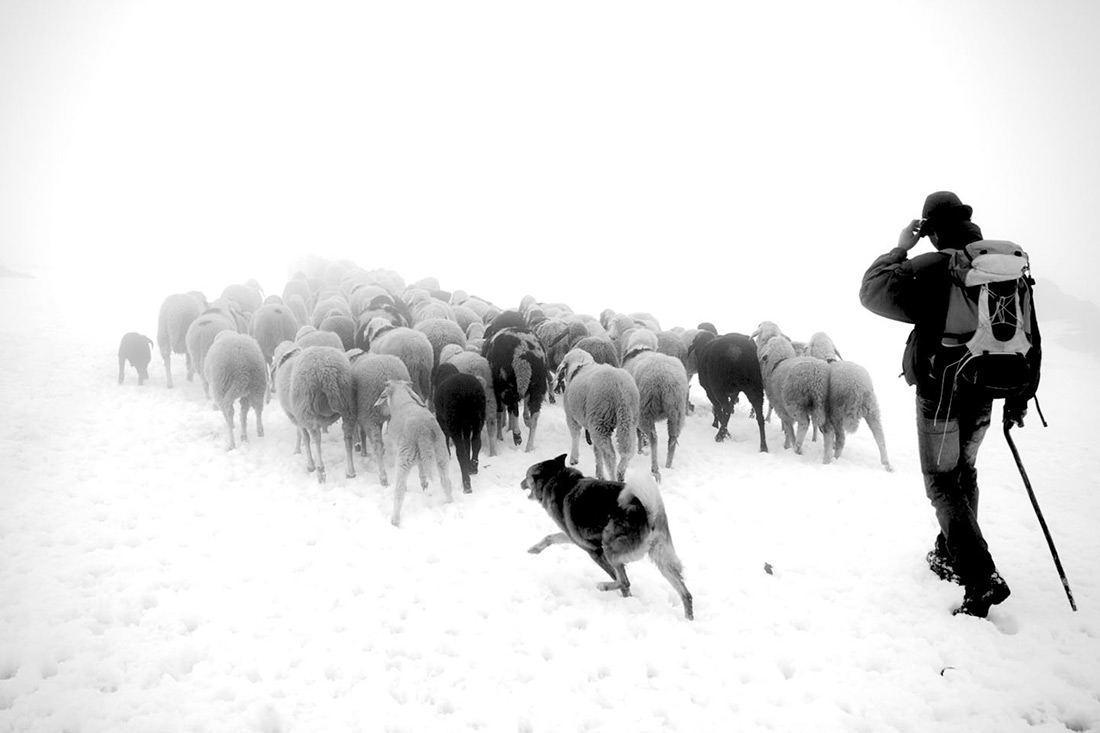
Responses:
[614,522]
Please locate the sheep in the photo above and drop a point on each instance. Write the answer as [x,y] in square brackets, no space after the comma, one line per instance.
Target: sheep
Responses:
[236,370]
[138,350]
[309,336]
[601,348]
[662,389]
[416,437]
[603,400]
[441,332]
[341,325]
[460,411]
[200,336]
[518,365]
[506,319]
[229,309]
[797,388]
[177,312]
[271,325]
[315,389]
[330,306]
[468,362]
[474,331]
[765,332]
[362,296]
[300,288]
[728,366]
[820,346]
[410,346]
[248,297]
[465,317]
[851,397]
[369,373]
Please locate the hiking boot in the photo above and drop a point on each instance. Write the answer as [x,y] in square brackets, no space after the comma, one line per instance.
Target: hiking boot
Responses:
[978,599]
[940,563]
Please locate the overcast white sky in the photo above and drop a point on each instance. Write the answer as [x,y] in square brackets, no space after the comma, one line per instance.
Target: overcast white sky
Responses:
[721,152]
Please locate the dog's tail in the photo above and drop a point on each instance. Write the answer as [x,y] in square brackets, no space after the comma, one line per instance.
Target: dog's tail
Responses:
[661,550]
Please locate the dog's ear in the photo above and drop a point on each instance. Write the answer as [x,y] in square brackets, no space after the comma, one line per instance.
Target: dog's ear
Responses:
[560,460]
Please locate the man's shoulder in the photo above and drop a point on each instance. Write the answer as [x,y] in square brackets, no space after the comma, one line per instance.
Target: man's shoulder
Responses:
[930,263]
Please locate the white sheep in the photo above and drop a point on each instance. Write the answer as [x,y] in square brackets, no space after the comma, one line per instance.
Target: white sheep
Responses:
[315,389]
[820,346]
[271,325]
[176,315]
[765,332]
[333,305]
[603,400]
[440,332]
[416,438]
[200,336]
[797,387]
[369,373]
[852,397]
[311,336]
[235,370]
[662,389]
[248,297]
[410,346]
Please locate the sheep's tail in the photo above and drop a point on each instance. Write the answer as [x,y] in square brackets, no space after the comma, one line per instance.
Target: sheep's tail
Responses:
[626,430]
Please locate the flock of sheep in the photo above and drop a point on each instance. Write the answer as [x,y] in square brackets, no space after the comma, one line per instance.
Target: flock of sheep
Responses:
[433,368]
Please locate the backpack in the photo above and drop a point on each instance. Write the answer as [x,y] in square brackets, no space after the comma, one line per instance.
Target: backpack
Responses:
[989,318]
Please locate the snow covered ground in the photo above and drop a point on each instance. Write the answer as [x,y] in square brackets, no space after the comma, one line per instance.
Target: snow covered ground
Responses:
[151,581]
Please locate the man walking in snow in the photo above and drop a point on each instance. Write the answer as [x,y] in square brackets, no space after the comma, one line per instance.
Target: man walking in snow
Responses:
[951,419]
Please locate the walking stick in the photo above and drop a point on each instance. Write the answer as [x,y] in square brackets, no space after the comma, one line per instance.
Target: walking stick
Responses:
[1039,514]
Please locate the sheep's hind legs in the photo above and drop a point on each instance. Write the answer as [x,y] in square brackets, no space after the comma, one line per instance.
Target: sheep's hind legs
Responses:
[227,412]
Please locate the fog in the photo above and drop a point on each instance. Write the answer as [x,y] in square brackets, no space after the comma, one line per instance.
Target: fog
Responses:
[719,161]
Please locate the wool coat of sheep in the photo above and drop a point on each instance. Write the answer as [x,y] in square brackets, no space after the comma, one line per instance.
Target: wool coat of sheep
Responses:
[235,370]
[604,401]
[370,372]
[177,312]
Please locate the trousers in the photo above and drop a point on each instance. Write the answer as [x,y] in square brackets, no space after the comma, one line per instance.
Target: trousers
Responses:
[950,431]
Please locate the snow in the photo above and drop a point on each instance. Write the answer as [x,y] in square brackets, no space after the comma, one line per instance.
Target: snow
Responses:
[152,581]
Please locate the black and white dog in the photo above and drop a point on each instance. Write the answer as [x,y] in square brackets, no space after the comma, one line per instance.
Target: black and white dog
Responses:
[614,522]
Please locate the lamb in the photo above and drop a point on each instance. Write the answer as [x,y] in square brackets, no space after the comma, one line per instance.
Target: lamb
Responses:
[662,388]
[460,411]
[603,400]
[820,346]
[271,325]
[200,336]
[369,374]
[417,438]
[315,389]
[138,350]
[235,370]
[177,312]
[798,388]
[518,365]
[851,397]
[468,362]
[410,346]
[728,366]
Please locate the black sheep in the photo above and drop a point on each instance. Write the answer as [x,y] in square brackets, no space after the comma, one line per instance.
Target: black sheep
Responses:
[138,350]
[460,411]
[518,365]
[728,365]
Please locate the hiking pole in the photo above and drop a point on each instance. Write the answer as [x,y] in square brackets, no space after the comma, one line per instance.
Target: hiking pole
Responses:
[1039,514]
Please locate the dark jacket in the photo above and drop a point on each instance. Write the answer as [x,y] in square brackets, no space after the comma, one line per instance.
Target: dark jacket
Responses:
[916,291]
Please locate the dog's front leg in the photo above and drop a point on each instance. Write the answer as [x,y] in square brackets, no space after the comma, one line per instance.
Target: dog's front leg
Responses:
[560,538]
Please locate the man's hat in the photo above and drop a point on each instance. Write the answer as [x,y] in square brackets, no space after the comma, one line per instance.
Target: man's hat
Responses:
[943,207]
